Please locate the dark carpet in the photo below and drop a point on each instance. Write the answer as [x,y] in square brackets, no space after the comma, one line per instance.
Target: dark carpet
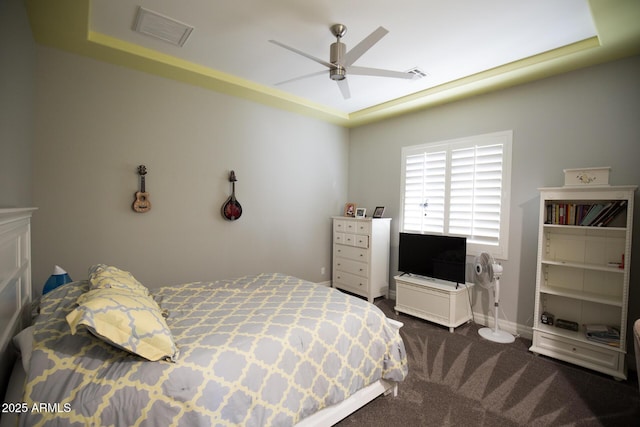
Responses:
[461,379]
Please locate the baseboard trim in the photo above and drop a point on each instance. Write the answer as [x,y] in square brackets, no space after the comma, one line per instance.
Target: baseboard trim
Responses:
[483,319]
[513,328]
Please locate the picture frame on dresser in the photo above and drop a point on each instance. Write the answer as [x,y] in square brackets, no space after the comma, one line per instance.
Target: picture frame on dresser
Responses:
[361,212]
[378,212]
[349,209]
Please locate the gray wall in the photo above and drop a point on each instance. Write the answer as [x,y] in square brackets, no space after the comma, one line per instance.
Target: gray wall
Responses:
[93,123]
[580,119]
[97,122]
[18,59]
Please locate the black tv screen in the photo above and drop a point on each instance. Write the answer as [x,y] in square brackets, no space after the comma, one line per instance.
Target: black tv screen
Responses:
[436,256]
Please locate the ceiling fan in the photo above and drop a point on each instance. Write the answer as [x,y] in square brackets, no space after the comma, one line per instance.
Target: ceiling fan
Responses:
[341,62]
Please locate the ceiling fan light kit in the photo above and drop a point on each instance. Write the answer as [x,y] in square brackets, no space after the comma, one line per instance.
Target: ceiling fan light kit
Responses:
[338,73]
[341,61]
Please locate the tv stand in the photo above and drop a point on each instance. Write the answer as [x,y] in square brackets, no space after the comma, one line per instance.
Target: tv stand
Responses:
[438,301]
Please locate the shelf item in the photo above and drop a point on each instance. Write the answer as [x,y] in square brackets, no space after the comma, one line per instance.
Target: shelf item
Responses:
[433,300]
[599,214]
[584,251]
[587,176]
[361,255]
[603,334]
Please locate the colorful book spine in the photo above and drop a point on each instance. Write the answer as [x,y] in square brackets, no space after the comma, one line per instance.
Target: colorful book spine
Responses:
[584,214]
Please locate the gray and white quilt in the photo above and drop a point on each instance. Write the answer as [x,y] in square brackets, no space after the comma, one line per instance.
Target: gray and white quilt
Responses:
[264,350]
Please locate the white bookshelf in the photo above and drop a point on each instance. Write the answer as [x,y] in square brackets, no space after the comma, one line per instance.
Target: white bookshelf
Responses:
[578,278]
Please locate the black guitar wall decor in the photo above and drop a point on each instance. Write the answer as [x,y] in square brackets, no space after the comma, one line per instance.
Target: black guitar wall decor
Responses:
[231,210]
[142,204]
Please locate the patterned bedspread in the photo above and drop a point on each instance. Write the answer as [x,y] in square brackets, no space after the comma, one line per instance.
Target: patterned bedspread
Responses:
[265,350]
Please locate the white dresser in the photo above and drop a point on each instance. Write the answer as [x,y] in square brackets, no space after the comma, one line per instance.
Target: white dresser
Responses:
[361,255]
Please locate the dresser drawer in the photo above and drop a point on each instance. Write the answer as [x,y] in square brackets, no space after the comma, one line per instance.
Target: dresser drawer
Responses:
[350,266]
[571,349]
[349,239]
[351,252]
[350,227]
[363,227]
[339,226]
[351,282]
[361,241]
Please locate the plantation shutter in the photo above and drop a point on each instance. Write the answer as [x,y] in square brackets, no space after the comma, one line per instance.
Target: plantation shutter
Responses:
[425,192]
[459,188]
[476,189]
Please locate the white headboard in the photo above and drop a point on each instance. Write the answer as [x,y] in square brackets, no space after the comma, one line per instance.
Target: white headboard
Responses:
[15,283]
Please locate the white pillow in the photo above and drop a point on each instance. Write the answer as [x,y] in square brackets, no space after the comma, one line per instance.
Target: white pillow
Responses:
[24,342]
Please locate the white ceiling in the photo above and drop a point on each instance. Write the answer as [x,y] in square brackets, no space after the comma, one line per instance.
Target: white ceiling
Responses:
[448,40]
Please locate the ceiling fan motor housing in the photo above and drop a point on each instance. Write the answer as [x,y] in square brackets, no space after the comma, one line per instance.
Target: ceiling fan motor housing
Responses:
[340,60]
[336,56]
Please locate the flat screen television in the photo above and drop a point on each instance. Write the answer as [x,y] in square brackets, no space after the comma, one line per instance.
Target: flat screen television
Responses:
[436,256]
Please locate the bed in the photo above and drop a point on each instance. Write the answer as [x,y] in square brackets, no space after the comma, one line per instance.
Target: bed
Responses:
[261,350]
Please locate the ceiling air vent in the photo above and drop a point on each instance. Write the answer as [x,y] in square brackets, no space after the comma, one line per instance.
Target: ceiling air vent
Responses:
[418,73]
[161,27]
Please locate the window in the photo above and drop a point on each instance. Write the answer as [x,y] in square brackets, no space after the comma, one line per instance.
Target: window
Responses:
[461,188]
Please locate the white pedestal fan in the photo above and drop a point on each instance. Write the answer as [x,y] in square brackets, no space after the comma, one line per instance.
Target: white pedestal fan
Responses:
[487,273]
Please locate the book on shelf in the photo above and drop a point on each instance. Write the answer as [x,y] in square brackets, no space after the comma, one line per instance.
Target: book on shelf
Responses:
[612,214]
[584,214]
[603,334]
[593,212]
[603,213]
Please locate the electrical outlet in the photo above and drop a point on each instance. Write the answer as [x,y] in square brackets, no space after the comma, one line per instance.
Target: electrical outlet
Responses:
[322,271]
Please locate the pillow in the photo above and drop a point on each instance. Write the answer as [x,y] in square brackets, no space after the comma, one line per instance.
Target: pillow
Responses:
[104,276]
[128,320]
[24,342]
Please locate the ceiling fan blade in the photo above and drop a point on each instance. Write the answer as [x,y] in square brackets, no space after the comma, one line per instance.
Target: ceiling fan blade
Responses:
[344,88]
[377,72]
[317,73]
[358,50]
[306,55]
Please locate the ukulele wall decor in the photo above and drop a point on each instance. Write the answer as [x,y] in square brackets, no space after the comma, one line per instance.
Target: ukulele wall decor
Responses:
[142,203]
[231,210]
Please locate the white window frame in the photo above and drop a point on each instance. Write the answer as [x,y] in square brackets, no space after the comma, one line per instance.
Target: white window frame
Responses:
[500,248]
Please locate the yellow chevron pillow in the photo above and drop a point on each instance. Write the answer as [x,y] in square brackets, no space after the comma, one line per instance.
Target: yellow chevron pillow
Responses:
[127,320]
[104,276]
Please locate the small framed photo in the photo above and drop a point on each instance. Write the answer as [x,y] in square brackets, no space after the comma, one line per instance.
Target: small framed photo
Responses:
[360,212]
[378,212]
[350,209]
